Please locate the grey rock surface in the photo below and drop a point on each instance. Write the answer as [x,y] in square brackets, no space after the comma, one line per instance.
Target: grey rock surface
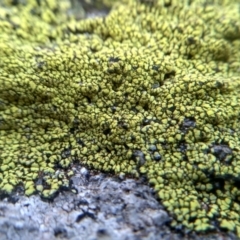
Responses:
[105,208]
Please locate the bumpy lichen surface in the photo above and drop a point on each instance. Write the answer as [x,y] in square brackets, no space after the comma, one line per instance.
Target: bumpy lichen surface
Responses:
[152,88]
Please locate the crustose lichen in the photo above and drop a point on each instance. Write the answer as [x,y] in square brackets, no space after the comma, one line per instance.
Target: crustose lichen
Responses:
[152,88]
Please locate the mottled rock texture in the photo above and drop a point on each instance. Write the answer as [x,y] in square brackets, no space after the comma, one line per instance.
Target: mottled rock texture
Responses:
[105,208]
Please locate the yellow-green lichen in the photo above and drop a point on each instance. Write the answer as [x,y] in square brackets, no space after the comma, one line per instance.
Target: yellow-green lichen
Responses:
[152,88]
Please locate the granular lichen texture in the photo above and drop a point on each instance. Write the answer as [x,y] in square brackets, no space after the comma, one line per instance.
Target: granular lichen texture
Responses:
[150,89]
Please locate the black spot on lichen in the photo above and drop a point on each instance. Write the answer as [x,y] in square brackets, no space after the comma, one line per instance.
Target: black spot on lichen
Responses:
[139,157]
[187,124]
[222,152]
[191,41]
[114,59]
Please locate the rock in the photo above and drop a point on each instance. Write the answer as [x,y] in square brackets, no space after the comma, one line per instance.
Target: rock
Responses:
[105,208]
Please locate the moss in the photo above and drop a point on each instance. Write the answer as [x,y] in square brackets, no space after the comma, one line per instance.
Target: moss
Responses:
[151,89]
